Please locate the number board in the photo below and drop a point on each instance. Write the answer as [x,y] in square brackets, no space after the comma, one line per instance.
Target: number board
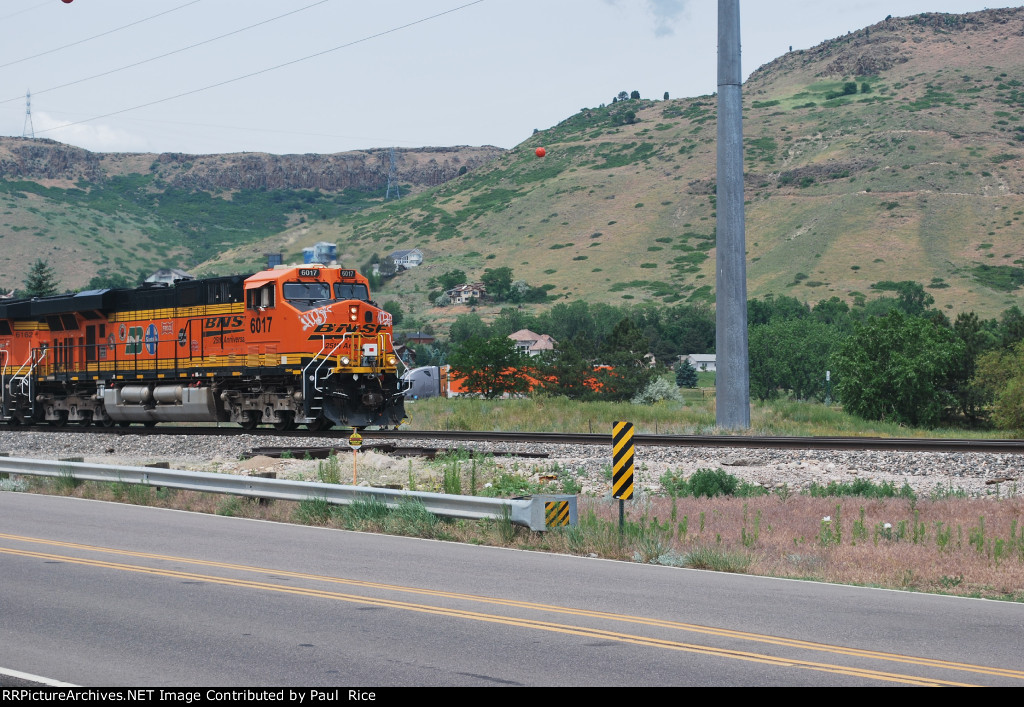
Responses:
[347,273]
[622,460]
[307,272]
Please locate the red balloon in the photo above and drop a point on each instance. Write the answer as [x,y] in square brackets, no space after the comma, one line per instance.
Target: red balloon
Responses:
[66,2]
[540,150]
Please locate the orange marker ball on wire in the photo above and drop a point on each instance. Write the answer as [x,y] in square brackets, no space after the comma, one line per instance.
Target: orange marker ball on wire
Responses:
[540,152]
[66,2]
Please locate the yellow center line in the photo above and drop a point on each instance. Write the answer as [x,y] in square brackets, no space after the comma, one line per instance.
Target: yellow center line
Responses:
[516,622]
[622,618]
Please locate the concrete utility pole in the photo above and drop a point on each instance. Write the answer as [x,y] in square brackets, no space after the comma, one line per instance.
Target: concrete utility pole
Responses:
[732,380]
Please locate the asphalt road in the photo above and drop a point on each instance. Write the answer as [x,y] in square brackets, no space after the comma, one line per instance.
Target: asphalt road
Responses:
[101,594]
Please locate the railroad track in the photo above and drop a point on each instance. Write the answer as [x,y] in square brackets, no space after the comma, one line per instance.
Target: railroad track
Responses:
[990,446]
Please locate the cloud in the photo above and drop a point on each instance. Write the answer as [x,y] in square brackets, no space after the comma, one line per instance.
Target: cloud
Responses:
[666,13]
[96,137]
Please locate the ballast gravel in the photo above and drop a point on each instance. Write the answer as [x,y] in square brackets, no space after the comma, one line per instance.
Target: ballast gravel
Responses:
[927,473]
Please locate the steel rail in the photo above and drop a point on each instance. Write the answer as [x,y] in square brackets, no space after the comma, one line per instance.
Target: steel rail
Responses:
[896,444]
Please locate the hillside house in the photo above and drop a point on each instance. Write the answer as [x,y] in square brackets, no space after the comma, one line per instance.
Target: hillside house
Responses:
[701,362]
[407,258]
[168,276]
[414,338]
[462,294]
[530,343]
[323,252]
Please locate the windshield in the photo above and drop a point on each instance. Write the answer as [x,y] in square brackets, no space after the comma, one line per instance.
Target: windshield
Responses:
[304,294]
[351,290]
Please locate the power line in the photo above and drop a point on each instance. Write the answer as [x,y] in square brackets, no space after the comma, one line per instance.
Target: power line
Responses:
[22,12]
[170,53]
[269,69]
[103,34]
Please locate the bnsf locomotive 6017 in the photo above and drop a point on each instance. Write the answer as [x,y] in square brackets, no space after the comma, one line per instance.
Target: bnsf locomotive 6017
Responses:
[288,346]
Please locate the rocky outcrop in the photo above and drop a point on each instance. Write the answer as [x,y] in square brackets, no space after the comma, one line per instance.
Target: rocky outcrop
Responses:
[24,158]
[33,159]
[880,47]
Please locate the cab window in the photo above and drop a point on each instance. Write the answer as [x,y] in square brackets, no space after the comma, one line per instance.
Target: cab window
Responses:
[303,295]
[260,298]
[351,290]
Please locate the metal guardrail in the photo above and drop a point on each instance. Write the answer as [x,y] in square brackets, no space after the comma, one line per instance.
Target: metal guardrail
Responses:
[530,512]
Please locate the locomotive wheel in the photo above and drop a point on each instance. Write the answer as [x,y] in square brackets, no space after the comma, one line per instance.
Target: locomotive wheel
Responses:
[149,423]
[250,420]
[287,421]
[62,419]
[105,422]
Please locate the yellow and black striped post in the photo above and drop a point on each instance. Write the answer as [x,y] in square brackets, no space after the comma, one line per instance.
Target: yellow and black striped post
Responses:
[622,460]
[556,514]
[622,467]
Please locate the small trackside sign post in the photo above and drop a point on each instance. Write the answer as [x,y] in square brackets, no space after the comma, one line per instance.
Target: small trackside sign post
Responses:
[622,465]
[355,441]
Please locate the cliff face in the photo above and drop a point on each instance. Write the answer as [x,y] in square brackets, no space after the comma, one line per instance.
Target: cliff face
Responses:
[22,158]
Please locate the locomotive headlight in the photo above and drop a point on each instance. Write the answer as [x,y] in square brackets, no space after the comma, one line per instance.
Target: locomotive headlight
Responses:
[353,312]
[345,360]
[392,360]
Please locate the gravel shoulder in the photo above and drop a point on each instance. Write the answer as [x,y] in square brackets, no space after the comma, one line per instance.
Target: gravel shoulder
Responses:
[928,473]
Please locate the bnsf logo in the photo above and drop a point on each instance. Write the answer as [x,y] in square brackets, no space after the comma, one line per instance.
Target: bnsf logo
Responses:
[349,329]
[223,322]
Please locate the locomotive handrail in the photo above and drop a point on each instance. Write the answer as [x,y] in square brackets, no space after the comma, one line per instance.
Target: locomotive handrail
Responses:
[3,384]
[325,360]
[531,512]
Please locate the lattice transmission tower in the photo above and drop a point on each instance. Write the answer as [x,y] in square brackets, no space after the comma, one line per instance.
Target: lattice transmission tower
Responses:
[28,130]
[393,178]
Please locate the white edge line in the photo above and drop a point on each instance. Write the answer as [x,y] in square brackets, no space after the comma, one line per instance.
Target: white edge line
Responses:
[35,678]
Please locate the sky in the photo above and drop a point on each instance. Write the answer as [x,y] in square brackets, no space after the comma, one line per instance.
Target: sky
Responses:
[326,76]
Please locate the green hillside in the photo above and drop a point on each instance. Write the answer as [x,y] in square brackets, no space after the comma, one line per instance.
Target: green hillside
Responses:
[892,153]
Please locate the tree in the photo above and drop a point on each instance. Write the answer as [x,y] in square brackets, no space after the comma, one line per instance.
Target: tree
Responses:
[625,372]
[490,367]
[498,282]
[109,281]
[773,308]
[1011,327]
[1000,378]
[790,356]
[666,95]
[686,375]
[41,281]
[634,96]
[395,310]
[465,327]
[897,368]
[448,280]
[566,371]
[971,399]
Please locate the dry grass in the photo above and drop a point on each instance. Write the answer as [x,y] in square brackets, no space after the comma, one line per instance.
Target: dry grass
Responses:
[967,547]
[960,546]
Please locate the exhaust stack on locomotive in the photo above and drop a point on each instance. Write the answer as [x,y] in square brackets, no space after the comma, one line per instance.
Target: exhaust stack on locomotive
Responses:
[287,346]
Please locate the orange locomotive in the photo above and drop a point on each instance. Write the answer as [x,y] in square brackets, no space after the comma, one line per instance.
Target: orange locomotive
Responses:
[287,346]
